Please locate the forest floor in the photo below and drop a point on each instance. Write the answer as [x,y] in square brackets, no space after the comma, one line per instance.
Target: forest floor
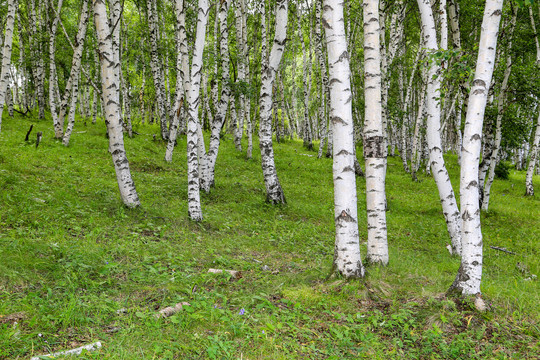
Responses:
[77,267]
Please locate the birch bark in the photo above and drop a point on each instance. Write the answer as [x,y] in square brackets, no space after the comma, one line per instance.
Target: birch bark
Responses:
[208,162]
[194,202]
[240,40]
[111,93]
[75,68]
[35,42]
[374,142]
[533,157]
[182,69]
[501,100]
[324,79]
[53,78]
[74,90]
[157,71]
[274,192]
[537,43]
[6,54]
[469,275]
[433,107]
[347,259]
[306,65]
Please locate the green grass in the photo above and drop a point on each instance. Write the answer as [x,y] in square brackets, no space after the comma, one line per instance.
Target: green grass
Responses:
[72,255]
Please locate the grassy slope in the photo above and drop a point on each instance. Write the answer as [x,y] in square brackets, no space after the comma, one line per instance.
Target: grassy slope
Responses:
[71,256]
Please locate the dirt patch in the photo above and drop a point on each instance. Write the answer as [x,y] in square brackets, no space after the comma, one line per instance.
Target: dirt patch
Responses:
[11,318]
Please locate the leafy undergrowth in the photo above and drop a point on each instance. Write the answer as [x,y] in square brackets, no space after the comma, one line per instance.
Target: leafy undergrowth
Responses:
[77,267]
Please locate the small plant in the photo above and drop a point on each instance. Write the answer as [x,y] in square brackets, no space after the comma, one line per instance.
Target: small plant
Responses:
[502,171]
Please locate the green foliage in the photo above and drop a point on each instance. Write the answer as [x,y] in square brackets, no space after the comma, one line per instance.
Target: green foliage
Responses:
[502,170]
[72,257]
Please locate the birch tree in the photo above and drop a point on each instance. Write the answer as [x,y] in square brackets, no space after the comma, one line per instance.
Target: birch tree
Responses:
[193,96]
[6,53]
[53,77]
[501,101]
[533,158]
[79,40]
[208,161]
[374,142]
[347,260]
[469,275]
[76,61]
[433,108]
[274,192]
[157,71]
[182,70]
[111,95]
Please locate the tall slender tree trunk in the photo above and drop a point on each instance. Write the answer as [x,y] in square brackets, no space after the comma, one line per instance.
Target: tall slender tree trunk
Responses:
[436,160]
[6,53]
[35,43]
[501,100]
[53,78]
[194,201]
[324,79]
[208,163]
[75,70]
[274,192]
[157,71]
[469,275]
[74,90]
[111,93]
[408,95]
[241,39]
[182,69]
[374,142]
[307,134]
[533,158]
[537,43]
[347,259]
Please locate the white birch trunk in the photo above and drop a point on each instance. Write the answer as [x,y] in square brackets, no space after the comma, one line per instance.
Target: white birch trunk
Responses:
[111,94]
[453,15]
[347,259]
[194,201]
[406,110]
[208,163]
[469,275]
[9,101]
[240,40]
[157,71]
[533,24]
[53,78]
[533,158]
[501,100]
[274,192]
[433,107]
[182,65]
[416,152]
[443,18]
[6,54]
[324,79]
[306,134]
[79,40]
[374,141]
[35,43]
[75,69]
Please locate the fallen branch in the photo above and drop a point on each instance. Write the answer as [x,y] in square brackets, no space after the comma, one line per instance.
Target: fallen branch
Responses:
[502,249]
[77,351]
[29,131]
[235,274]
[170,310]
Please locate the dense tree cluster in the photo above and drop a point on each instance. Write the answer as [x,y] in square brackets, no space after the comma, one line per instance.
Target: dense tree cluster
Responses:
[414,79]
